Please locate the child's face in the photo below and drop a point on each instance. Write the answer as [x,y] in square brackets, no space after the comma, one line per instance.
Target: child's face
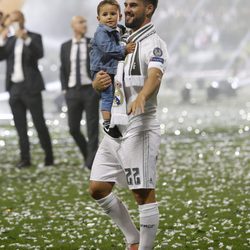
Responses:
[109,15]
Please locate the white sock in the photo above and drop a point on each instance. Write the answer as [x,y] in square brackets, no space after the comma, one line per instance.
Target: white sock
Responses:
[149,222]
[116,210]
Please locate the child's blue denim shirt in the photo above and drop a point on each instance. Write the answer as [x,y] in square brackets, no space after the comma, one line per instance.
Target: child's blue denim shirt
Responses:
[106,50]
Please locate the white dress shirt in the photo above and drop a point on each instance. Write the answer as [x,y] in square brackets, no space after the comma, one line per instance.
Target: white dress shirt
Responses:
[17,75]
[2,42]
[83,62]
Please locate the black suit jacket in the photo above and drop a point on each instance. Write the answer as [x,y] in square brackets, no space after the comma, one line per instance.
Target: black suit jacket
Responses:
[65,62]
[31,54]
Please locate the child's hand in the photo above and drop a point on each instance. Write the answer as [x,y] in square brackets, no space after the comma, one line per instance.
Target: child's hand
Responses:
[130,47]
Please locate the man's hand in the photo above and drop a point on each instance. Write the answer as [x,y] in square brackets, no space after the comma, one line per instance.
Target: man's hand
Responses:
[102,81]
[4,33]
[137,106]
[152,84]
[21,33]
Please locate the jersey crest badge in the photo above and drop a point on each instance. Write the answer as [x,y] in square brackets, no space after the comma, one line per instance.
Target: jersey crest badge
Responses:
[118,96]
[157,52]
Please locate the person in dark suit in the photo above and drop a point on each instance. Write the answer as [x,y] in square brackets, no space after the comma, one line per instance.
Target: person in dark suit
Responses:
[79,94]
[24,82]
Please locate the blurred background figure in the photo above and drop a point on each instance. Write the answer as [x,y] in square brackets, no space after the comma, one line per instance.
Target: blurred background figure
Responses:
[22,49]
[186,93]
[79,94]
[213,91]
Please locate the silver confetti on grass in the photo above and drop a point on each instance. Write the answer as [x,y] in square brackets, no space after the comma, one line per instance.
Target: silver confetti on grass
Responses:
[201,186]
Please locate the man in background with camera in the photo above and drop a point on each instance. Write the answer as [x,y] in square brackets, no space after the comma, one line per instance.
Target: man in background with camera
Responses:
[22,49]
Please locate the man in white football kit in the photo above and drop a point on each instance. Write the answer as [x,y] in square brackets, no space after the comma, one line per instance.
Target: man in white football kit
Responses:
[131,159]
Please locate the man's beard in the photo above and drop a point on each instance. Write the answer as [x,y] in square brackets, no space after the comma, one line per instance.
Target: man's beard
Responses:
[136,23]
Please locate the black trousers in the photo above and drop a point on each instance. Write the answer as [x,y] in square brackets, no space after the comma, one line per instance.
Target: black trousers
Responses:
[20,102]
[78,100]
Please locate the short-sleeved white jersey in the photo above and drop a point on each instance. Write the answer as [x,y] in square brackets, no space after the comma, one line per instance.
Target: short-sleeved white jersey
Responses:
[150,52]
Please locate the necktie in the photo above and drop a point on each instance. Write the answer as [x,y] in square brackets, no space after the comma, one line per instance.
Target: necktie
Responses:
[78,71]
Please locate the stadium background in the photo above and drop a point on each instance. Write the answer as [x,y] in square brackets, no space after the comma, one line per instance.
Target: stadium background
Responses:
[208,40]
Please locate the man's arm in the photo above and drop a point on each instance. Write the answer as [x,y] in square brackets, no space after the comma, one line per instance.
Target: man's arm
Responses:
[34,43]
[152,84]
[62,70]
[3,40]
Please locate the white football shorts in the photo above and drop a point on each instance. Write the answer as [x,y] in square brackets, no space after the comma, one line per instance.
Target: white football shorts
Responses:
[129,162]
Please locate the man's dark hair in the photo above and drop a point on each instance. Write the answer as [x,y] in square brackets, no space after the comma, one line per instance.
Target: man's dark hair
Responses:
[153,2]
[112,2]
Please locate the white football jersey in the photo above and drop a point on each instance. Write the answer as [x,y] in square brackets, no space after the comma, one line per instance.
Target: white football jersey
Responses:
[150,52]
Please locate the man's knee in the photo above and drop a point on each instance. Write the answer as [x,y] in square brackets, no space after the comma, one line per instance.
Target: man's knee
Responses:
[144,196]
[99,190]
